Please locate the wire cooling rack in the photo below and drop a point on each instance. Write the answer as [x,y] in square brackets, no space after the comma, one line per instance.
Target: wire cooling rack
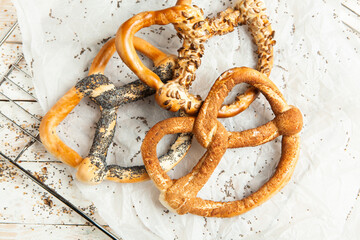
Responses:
[351,21]
[351,16]
[33,133]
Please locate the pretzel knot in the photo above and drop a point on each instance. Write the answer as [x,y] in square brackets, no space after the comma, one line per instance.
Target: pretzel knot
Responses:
[194,29]
[93,168]
[180,195]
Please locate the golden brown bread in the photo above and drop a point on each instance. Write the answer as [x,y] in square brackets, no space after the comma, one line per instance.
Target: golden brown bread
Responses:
[194,29]
[68,102]
[180,195]
[93,168]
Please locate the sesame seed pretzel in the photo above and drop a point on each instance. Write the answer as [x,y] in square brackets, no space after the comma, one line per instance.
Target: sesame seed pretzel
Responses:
[195,29]
[180,195]
[93,169]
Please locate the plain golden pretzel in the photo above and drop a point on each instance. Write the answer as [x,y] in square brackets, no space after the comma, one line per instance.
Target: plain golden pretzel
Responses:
[180,195]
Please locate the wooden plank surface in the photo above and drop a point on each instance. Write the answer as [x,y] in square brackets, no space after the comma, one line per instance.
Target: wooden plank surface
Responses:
[13,45]
[33,231]
[26,210]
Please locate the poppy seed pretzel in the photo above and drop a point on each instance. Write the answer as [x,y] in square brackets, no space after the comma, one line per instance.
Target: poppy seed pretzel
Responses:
[93,169]
[180,195]
[194,29]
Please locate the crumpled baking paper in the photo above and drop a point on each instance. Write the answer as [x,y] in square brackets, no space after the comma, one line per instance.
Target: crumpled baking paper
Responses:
[316,67]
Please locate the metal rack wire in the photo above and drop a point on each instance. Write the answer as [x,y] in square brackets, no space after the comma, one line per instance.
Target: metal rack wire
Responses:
[34,137]
[352,22]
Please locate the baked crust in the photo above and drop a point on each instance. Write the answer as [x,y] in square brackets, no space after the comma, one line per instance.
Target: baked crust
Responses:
[93,168]
[180,195]
[194,29]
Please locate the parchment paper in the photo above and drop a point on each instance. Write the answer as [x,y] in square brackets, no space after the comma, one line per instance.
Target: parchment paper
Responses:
[315,67]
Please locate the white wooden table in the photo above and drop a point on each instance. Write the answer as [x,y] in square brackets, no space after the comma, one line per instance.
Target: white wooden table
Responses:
[27,211]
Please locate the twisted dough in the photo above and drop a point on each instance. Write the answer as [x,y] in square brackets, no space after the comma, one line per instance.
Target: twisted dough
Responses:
[195,29]
[180,195]
[93,168]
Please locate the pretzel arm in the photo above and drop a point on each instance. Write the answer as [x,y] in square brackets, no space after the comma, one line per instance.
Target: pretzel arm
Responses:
[189,185]
[51,120]
[132,174]
[167,161]
[125,43]
[194,34]
[286,123]
[252,13]
[72,98]
[282,175]
[183,2]
[225,22]
[149,51]
[104,132]
[93,167]
[153,137]
[241,103]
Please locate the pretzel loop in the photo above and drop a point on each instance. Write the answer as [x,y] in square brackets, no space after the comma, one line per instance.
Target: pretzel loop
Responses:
[180,195]
[126,32]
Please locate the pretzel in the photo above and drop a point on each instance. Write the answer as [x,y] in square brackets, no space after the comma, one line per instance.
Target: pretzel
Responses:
[180,195]
[195,29]
[93,169]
